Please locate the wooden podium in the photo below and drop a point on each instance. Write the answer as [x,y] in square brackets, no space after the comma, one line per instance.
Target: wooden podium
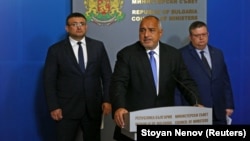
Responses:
[174,115]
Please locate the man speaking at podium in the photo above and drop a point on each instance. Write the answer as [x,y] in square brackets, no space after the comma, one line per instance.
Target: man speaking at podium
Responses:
[137,84]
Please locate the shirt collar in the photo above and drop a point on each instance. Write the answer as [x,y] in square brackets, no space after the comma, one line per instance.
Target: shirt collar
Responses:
[156,50]
[74,42]
[205,49]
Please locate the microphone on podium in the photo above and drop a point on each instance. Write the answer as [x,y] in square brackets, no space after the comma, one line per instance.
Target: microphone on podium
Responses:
[189,90]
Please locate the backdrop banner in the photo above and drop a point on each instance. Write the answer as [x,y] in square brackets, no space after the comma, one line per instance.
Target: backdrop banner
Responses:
[116,22]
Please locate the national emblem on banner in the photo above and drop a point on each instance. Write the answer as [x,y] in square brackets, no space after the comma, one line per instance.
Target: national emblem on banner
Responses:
[104,12]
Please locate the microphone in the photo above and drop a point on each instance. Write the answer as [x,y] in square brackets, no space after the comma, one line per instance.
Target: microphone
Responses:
[189,90]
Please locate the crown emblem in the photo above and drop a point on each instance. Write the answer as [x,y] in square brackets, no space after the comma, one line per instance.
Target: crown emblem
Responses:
[104,12]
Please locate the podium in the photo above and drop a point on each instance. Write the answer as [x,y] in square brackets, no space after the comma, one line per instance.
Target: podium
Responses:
[173,115]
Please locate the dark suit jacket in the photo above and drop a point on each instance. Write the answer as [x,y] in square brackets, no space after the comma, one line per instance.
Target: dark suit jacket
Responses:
[214,91]
[68,88]
[132,85]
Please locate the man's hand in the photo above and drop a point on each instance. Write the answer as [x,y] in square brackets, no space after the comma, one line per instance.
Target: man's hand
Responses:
[198,105]
[118,117]
[229,112]
[56,114]
[106,108]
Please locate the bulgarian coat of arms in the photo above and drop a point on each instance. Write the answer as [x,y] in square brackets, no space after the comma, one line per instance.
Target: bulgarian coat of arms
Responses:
[104,12]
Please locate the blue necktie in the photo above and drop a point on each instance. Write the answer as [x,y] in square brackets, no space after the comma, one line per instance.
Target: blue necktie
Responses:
[204,60]
[80,57]
[153,66]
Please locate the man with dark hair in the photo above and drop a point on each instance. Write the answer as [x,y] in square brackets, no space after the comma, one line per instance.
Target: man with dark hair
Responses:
[207,67]
[77,76]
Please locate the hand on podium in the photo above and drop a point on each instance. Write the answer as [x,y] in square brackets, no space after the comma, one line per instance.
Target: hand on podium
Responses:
[119,117]
[198,105]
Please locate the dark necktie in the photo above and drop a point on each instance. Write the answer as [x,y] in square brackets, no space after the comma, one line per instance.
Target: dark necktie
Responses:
[204,60]
[153,66]
[80,57]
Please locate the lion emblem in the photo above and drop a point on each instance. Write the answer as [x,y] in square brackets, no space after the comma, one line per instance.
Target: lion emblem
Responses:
[104,12]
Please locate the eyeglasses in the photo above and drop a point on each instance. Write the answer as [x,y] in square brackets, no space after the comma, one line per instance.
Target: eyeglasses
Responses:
[77,24]
[200,35]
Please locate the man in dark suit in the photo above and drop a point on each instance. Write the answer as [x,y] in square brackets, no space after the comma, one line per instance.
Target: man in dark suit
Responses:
[213,83]
[133,86]
[77,97]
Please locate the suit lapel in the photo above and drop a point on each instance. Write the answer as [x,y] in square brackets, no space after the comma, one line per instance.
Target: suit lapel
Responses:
[144,60]
[70,54]
[198,59]
[163,60]
[213,60]
[90,51]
